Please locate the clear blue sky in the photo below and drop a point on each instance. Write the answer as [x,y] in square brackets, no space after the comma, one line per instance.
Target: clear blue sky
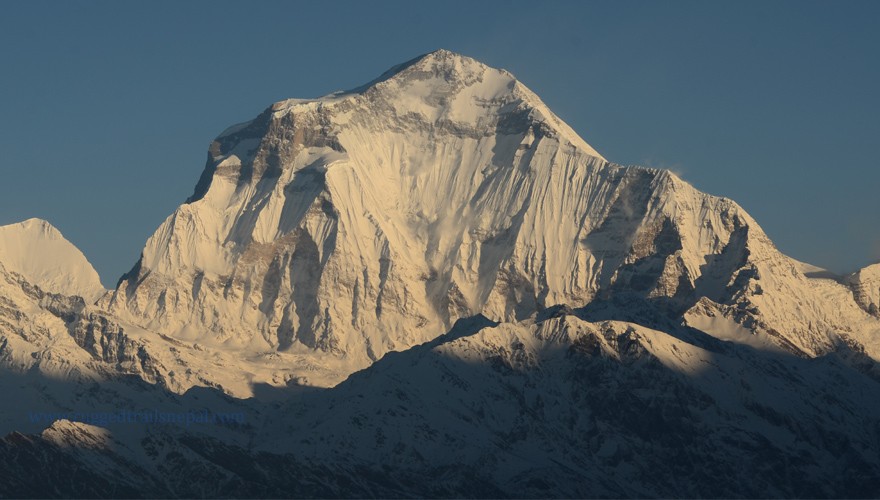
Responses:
[107,108]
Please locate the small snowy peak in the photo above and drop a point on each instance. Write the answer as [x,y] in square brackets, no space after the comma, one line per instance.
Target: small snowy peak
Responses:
[68,434]
[37,250]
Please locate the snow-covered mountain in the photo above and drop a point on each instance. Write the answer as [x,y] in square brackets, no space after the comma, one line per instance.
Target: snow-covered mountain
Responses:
[358,223]
[369,221]
[38,251]
[431,286]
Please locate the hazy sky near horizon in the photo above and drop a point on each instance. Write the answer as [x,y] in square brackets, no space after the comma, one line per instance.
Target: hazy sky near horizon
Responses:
[107,108]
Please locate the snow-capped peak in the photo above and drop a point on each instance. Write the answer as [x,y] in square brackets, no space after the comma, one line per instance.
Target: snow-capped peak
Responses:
[67,433]
[39,252]
[472,85]
[443,86]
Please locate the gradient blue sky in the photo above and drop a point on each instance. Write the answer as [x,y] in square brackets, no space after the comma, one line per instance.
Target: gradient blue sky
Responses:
[107,108]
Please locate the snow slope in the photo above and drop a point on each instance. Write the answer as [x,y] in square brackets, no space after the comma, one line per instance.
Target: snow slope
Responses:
[38,251]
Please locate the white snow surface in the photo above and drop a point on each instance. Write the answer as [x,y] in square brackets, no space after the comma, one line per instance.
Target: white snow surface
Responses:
[37,250]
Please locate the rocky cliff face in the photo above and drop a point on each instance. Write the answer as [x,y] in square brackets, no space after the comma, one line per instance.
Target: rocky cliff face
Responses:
[369,221]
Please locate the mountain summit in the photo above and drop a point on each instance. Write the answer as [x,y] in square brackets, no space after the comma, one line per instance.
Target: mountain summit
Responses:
[370,221]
